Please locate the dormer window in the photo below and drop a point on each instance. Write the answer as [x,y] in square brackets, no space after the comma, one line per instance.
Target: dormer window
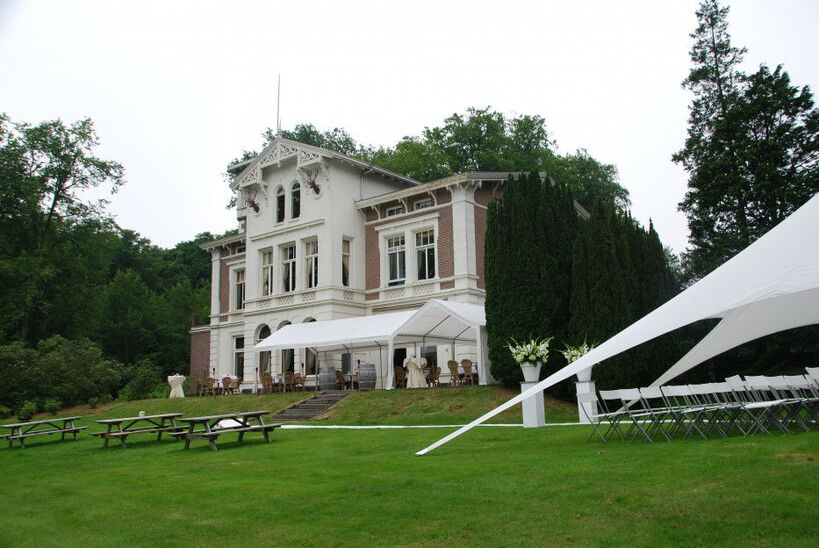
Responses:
[280,205]
[422,204]
[295,201]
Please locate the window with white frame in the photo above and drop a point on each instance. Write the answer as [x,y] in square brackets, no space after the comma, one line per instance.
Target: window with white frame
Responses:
[289,268]
[396,261]
[396,210]
[422,204]
[425,253]
[239,289]
[345,262]
[311,264]
[239,356]
[279,205]
[295,201]
[267,273]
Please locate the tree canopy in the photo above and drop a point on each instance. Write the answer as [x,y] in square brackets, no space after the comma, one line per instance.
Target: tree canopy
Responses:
[752,151]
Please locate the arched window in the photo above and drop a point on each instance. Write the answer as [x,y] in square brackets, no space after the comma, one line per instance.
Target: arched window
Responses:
[295,201]
[264,357]
[279,205]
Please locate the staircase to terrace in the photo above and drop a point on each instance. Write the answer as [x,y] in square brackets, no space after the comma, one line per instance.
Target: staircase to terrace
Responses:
[307,409]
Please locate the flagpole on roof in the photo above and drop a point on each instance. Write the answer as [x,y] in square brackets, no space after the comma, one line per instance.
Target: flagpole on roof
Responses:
[278,102]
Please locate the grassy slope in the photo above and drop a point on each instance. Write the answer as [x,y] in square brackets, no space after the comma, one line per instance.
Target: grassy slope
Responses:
[493,486]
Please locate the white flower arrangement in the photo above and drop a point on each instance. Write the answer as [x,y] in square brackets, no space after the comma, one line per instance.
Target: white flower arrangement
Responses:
[536,350]
[574,353]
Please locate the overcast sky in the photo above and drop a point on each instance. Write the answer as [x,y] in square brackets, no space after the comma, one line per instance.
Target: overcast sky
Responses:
[177,89]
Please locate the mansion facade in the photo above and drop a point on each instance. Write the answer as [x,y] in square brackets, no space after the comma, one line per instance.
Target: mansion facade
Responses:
[325,236]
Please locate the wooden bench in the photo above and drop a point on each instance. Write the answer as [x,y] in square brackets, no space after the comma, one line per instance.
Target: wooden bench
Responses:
[210,429]
[22,430]
[123,427]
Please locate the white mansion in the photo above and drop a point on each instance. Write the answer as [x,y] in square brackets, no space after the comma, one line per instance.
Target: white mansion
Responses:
[325,236]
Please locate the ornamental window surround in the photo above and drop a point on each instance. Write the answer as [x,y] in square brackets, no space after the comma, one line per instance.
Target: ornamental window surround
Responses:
[279,205]
[396,261]
[238,356]
[289,268]
[345,262]
[295,201]
[311,263]
[267,273]
[239,289]
[425,254]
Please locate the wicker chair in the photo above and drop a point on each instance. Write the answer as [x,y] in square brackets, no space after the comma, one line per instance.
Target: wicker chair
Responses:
[289,381]
[298,381]
[455,378]
[267,383]
[434,373]
[341,382]
[227,385]
[467,365]
[400,377]
[206,386]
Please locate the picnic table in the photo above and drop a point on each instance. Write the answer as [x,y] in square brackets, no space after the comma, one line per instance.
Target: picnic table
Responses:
[213,426]
[145,424]
[22,430]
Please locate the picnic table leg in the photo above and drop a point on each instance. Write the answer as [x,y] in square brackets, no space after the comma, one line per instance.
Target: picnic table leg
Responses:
[189,436]
[159,434]
[175,429]
[212,444]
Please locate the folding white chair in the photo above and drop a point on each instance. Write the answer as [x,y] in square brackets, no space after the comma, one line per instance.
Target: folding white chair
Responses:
[781,412]
[641,420]
[687,411]
[659,413]
[594,419]
[614,415]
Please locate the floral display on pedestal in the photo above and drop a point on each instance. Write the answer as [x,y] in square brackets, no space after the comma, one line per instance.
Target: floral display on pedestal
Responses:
[531,356]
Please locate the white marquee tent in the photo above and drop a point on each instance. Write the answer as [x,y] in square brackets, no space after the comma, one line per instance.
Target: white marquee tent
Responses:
[770,286]
[437,322]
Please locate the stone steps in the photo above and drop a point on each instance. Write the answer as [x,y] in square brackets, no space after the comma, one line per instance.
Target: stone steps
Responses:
[313,407]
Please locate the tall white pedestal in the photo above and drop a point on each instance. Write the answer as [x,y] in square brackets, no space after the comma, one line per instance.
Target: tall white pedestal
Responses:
[534,409]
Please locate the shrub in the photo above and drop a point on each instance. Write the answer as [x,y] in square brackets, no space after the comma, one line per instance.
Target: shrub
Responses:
[29,408]
[144,379]
[51,406]
[93,402]
[105,399]
[4,411]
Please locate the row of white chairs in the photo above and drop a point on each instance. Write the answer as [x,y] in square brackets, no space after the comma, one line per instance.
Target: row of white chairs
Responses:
[757,404]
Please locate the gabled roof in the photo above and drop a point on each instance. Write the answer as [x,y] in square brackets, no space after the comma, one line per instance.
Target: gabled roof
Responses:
[280,149]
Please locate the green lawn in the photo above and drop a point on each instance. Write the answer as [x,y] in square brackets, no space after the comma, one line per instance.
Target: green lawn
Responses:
[493,486]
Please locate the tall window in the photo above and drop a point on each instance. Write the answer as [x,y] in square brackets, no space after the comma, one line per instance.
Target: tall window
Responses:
[239,356]
[396,262]
[267,273]
[289,268]
[240,289]
[311,263]
[264,357]
[295,201]
[345,263]
[279,205]
[425,252]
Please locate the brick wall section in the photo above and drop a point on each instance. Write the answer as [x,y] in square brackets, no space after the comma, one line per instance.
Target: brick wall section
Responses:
[480,245]
[224,287]
[200,354]
[372,268]
[446,250]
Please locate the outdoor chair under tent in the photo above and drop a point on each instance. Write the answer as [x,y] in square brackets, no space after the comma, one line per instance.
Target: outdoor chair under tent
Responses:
[341,382]
[466,365]
[434,374]
[454,377]
[400,377]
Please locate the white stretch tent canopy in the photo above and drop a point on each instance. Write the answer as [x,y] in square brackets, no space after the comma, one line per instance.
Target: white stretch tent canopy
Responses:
[770,286]
[434,323]
[343,334]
